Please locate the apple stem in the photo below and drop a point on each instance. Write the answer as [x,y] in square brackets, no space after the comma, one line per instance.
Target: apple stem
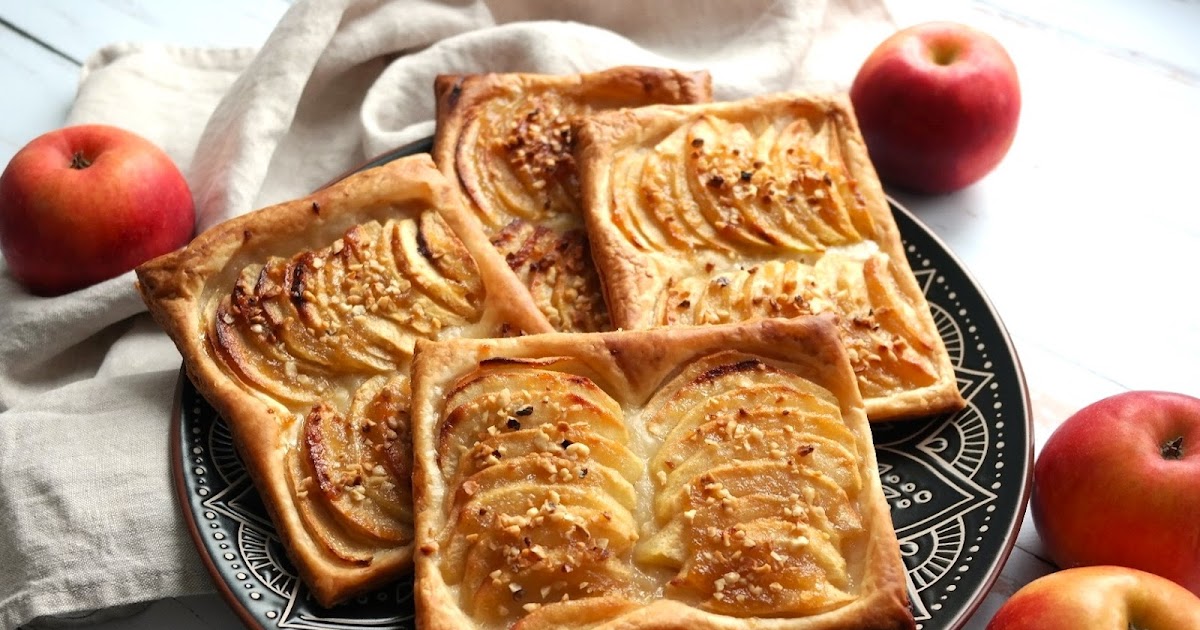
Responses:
[78,162]
[1173,449]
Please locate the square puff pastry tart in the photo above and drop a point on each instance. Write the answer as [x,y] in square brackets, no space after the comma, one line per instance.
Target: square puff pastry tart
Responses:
[505,140]
[710,477]
[298,323]
[767,207]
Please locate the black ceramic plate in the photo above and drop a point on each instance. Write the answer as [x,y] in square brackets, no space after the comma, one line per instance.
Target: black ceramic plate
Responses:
[957,484]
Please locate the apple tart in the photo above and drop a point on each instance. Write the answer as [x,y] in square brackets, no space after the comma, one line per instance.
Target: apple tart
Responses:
[768,207]
[298,323]
[693,476]
[506,141]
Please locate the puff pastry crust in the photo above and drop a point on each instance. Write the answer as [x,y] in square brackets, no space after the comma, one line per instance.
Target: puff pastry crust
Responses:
[767,207]
[699,477]
[298,323]
[506,141]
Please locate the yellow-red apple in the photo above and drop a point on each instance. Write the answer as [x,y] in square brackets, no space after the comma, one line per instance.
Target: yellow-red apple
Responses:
[1099,598]
[938,105]
[1118,483]
[86,203]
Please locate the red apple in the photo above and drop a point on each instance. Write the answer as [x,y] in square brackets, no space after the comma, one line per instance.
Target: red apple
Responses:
[1099,598]
[86,203]
[1119,483]
[938,105]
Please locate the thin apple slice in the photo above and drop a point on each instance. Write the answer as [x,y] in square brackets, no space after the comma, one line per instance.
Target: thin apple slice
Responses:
[335,293]
[665,197]
[379,413]
[847,187]
[564,575]
[715,180]
[814,198]
[574,442]
[713,374]
[765,567]
[628,213]
[804,449]
[505,398]
[780,478]
[320,524]
[911,349]
[299,341]
[452,262]
[654,201]
[332,450]
[777,398]
[576,614]
[556,266]
[244,343]
[544,536]
[445,299]
[549,469]
[520,504]
[549,526]
[773,427]
[670,153]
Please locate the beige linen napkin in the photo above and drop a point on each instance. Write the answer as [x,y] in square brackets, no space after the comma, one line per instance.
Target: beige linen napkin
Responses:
[88,516]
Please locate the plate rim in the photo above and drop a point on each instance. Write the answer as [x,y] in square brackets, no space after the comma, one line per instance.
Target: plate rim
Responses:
[1018,517]
[996,567]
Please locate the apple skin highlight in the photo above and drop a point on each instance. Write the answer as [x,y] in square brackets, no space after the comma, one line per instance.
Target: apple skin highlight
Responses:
[938,105]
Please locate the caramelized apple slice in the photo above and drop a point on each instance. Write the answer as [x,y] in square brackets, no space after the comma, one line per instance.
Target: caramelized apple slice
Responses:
[332,448]
[548,535]
[499,399]
[712,375]
[518,505]
[318,521]
[575,442]
[549,469]
[576,614]
[780,478]
[339,298]
[244,343]
[746,426]
[556,266]
[802,449]
[716,182]
[825,200]
[276,303]
[773,403]
[447,299]
[380,412]
[571,573]
[682,538]
[628,214]
[770,567]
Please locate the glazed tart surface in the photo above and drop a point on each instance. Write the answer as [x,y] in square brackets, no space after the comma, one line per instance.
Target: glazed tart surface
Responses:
[767,207]
[711,477]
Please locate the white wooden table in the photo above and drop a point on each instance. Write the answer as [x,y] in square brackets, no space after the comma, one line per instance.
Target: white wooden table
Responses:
[1085,238]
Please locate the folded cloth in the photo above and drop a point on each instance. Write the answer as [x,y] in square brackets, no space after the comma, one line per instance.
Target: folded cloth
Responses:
[90,520]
